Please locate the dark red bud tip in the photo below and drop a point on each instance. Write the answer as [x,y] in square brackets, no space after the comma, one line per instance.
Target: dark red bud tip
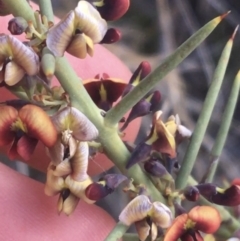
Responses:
[112,9]
[191,193]
[155,168]
[155,100]
[112,35]
[113,180]
[139,154]
[97,191]
[17,25]
[228,197]
[141,72]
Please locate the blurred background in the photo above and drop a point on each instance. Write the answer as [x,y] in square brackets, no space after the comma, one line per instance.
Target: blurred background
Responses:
[151,30]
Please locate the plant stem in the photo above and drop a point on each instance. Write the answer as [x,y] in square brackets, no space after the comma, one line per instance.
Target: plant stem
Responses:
[224,128]
[130,237]
[46,9]
[20,8]
[117,112]
[203,120]
[119,230]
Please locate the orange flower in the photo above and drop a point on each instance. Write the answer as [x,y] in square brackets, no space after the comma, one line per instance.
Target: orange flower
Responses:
[22,129]
[187,226]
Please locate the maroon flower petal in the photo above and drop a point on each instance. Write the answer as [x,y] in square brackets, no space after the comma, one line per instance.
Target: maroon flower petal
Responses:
[113,9]
[39,124]
[112,36]
[97,191]
[26,146]
[7,117]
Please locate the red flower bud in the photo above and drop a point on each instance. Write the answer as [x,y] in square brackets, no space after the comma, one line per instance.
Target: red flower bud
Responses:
[112,35]
[17,25]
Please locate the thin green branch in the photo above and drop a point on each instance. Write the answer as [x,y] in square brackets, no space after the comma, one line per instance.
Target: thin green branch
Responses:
[203,120]
[116,113]
[20,8]
[224,128]
[46,9]
[130,237]
[119,230]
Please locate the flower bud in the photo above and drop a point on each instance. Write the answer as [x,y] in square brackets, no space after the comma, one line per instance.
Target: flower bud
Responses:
[111,10]
[191,193]
[139,154]
[140,73]
[112,35]
[214,194]
[105,186]
[17,25]
[155,168]
[143,107]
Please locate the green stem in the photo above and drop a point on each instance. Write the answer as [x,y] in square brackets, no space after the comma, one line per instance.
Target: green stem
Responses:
[224,128]
[20,8]
[130,237]
[46,9]
[119,230]
[203,120]
[117,112]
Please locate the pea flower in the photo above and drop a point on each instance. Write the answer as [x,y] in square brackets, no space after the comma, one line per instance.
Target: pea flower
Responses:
[228,197]
[140,73]
[16,60]
[77,32]
[163,138]
[104,90]
[139,210]
[187,226]
[22,129]
[111,10]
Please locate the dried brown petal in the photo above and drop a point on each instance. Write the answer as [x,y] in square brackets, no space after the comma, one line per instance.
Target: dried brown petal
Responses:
[56,153]
[67,202]
[143,229]
[53,184]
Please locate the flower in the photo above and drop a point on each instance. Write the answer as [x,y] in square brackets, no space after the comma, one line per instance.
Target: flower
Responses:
[77,32]
[104,90]
[228,197]
[163,138]
[140,73]
[111,10]
[139,210]
[186,226]
[104,186]
[16,60]
[22,129]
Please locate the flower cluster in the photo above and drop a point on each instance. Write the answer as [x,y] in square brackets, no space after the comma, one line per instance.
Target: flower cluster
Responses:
[67,172]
